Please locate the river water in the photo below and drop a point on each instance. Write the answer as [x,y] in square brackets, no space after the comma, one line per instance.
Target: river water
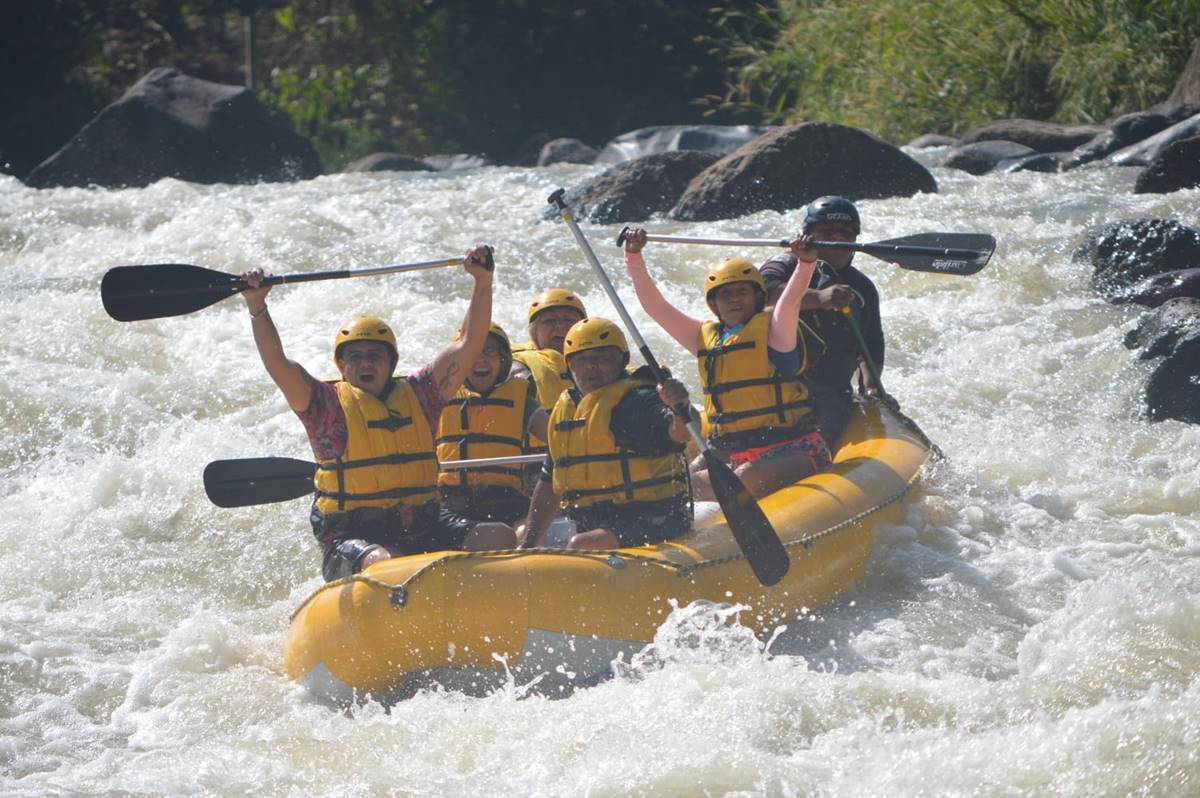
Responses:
[1032,628]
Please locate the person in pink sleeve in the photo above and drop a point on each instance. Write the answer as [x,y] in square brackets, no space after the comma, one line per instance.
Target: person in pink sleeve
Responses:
[372,433]
[757,411]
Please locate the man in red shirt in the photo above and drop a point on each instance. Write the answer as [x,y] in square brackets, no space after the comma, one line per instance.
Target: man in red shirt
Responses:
[372,433]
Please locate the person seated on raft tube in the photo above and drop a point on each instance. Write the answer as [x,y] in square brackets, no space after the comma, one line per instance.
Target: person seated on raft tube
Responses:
[616,465]
[372,433]
[491,416]
[756,407]
[829,342]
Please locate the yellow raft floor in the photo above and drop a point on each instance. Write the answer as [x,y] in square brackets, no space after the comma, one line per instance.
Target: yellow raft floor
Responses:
[470,620]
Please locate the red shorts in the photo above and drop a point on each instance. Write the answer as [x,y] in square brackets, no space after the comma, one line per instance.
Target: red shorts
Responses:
[811,446]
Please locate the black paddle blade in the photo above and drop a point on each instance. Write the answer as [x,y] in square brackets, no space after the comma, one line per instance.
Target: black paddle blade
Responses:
[959,254]
[753,532]
[155,291]
[257,480]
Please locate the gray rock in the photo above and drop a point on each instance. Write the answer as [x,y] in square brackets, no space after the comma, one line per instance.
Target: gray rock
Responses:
[172,125]
[981,157]
[566,151]
[930,140]
[1038,162]
[1126,130]
[1124,253]
[790,166]
[1142,153]
[388,162]
[721,139]
[1175,168]
[457,162]
[636,190]
[1171,332]
[1038,136]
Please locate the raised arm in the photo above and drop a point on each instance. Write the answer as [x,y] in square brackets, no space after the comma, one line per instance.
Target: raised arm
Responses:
[294,382]
[782,336]
[452,364]
[680,326]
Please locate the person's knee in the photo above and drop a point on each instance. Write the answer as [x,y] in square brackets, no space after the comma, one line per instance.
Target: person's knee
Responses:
[348,557]
[594,539]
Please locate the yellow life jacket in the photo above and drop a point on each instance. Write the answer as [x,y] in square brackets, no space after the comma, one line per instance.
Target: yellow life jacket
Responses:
[550,372]
[746,401]
[484,425]
[389,458]
[590,467]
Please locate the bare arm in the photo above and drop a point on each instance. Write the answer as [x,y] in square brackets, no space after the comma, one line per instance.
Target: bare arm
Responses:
[543,507]
[680,326]
[782,335]
[539,423]
[452,364]
[294,382]
[673,394]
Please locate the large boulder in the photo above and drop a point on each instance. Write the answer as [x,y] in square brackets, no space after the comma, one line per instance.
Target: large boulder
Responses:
[981,157]
[1037,162]
[1155,290]
[1171,332]
[721,139]
[388,162]
[1125,253]
[1126,130]
[636,190]
[790,166]
[172,125]
[1038,136]
[1177,167]
[1187,88]
[1142,153]
[566,151]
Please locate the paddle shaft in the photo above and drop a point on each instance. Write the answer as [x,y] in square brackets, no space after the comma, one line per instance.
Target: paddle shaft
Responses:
[684,411]
[870,249]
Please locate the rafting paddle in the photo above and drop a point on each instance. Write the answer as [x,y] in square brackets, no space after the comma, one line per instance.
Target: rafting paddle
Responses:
[960,254]
[159,290]
[263,480]
[751,529]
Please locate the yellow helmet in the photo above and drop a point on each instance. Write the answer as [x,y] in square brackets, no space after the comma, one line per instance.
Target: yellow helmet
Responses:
[555,298]
[734,270]
[596,333]
[365,328]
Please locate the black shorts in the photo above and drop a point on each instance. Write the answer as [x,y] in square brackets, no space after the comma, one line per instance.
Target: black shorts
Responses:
[348,537]
[487,503]
[637,523]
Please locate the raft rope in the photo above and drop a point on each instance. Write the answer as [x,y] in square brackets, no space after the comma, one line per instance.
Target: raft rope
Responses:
[614,558]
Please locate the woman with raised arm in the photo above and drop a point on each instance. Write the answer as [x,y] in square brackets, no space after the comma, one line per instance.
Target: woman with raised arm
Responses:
[757,411]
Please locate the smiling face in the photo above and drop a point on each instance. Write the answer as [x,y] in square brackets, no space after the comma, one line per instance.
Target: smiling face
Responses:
[549,328]
[366,365]
[735,303]
[488,366]
[592,369]
[833,231]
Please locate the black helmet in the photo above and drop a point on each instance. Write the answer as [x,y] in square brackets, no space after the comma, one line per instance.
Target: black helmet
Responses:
[831,209]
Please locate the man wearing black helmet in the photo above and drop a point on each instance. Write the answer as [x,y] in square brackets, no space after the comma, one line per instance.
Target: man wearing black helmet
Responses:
[830,346]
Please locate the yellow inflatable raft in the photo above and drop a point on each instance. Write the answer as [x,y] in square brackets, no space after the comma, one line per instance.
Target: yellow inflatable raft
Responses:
[468,620]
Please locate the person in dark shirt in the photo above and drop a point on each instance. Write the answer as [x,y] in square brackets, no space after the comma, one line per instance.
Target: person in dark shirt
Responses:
[616,463]
[831,349]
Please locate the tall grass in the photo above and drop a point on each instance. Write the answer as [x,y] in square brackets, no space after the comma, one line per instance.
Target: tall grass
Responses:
[900,68]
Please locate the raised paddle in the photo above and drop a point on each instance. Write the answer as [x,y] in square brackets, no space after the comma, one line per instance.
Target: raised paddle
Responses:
[941,253]
[753,532]
[158,290]
[263,480]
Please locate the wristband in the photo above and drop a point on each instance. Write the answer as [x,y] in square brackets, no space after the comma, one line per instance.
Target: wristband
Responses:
[254,314]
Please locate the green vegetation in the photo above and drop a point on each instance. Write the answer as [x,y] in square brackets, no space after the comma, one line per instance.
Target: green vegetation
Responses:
[900,68]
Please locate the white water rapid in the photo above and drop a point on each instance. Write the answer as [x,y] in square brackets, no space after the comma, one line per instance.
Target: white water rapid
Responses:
[1032,629]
